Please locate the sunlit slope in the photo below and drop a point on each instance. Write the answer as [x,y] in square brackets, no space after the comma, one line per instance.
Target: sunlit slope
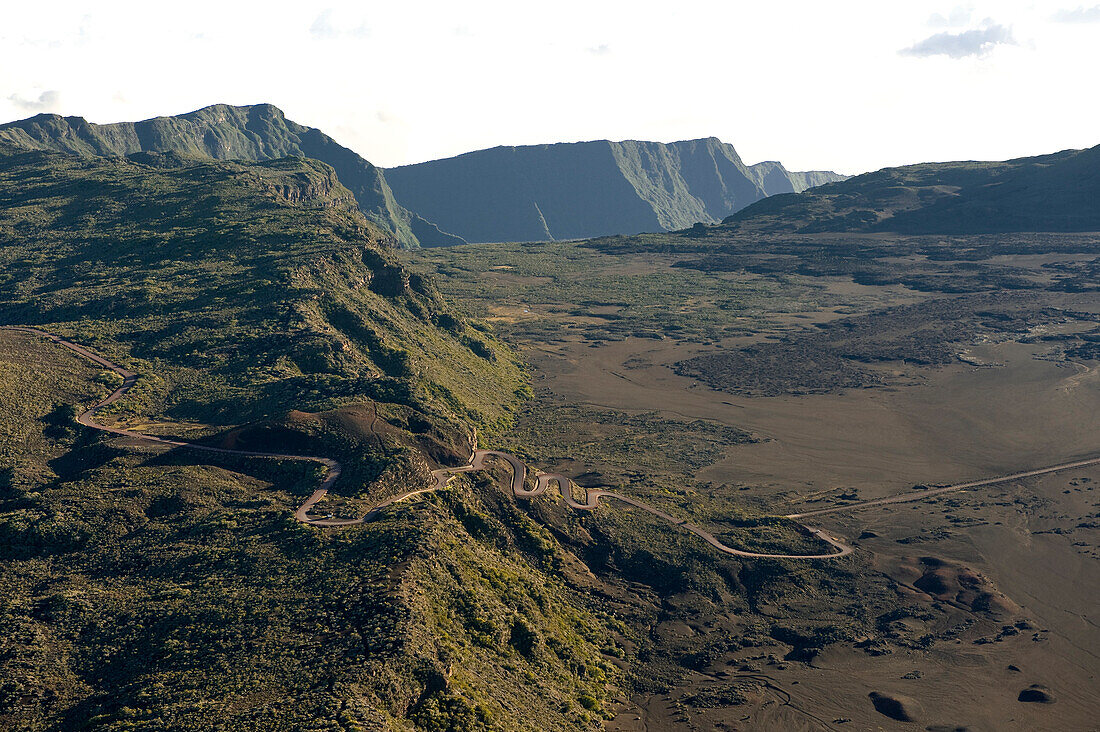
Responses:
[259,287]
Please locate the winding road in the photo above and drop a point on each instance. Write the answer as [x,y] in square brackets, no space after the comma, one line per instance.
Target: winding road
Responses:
[442,476]
[543,481]
[129,378]
[564,487]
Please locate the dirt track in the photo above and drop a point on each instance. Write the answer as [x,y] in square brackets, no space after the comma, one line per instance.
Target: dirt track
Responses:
[129,378]
[442,476]
[923,494]
[565,486]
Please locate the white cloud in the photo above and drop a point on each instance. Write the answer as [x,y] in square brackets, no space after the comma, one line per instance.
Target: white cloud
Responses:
[325,28]
[958,16]
[322,25]
[47,101]
[1080,14]
[975,42]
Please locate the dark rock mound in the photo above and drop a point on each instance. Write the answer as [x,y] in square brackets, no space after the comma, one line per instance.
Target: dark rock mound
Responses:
[933,583]
[1036,693]
[805,655]
[894,707]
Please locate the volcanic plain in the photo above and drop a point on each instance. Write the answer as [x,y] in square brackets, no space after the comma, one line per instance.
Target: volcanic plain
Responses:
[727,391]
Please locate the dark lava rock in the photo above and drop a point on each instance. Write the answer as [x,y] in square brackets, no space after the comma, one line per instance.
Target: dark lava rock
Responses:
[893,707]
[933,584]
[1036,693]
[805,655]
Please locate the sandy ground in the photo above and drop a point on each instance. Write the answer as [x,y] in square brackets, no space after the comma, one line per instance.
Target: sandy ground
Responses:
[957,423]
[1032,539]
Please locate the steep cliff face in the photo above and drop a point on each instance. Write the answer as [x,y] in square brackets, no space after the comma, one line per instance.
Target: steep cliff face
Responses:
[528,194]
[224,132]
[575,190]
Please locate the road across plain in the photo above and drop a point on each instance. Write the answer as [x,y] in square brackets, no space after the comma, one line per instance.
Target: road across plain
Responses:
[929,492]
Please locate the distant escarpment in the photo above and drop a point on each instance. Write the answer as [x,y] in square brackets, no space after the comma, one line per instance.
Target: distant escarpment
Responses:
[223,132]
[1059,192]
[585,189]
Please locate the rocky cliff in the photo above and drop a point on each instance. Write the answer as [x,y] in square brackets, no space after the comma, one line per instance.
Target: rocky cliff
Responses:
[577,190]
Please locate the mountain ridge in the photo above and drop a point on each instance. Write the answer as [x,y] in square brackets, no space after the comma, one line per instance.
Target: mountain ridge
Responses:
[1055,192]
[521,193]
[255,132]
[275,254]
[592,188]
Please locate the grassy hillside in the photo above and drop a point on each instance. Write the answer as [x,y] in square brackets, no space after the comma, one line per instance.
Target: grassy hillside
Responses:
[576,190]
[224,132]
[248,289]
[146,591]
[1057,192]
[153,589]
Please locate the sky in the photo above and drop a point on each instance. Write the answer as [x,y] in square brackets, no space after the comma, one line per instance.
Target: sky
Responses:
[845,85]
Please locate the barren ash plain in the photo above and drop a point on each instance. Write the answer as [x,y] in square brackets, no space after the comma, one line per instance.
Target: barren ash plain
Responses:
[995,588]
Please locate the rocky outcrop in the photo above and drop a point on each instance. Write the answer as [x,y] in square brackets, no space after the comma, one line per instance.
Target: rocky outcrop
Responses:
[895,706]
[1036,694]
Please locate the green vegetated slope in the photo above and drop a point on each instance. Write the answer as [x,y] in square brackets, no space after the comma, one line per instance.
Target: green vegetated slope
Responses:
[145,591]
[1057,192]
[153,589]
[224,132]
[142,590]
[256,287]
[576,190]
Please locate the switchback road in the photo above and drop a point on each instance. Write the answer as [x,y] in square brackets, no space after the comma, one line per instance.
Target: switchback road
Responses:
[442,476]
[129,378]
[565,488]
